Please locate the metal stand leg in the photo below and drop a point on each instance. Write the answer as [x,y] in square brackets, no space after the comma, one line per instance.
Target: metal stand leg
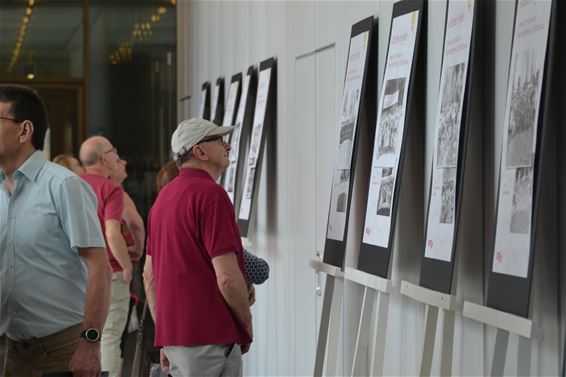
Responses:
[501,342]
[324,325]
[524,357]
[431,318]
[447,342]
[380,334]
[362,341]
[335,316]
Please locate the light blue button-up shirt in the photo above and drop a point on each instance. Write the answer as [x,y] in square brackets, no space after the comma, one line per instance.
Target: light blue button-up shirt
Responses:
[47,217]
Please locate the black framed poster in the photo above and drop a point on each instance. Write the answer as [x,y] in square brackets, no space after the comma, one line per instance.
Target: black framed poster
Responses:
[390,137]
[240,137]
[264,117]
[346,149]
[217,111]
[204,110]
[450,143]
[512,259]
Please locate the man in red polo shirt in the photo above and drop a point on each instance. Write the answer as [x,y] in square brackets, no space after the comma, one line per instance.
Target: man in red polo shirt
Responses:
[99,159]
[194,267]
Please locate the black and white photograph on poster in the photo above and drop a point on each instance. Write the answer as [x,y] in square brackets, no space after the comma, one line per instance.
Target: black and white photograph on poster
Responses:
[250,183]
[524,104]
[448,196]
[385,197]
[341,202]
[346,106]
[447,147]
[521,207]
[345,145]
[235,142]
[230,178]
[391,117]
[254,147]
[352,109]
[344,176]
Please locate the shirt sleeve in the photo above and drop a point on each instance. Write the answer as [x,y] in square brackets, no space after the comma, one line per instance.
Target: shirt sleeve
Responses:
[114,206]
[219,229]
[77,205]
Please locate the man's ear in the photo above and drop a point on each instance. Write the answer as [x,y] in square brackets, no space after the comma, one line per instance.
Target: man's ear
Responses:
[26,132]
[199,153]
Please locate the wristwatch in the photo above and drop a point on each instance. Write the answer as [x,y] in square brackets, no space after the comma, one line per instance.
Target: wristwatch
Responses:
[91,335]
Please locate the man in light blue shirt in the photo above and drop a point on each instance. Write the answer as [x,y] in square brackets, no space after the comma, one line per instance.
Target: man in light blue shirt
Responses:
[54,271]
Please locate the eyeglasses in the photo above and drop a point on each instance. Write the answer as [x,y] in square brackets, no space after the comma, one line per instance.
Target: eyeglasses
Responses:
[12,119]
[220,139]
[111,150]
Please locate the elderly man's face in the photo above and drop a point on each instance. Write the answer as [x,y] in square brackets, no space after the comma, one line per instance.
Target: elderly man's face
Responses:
[111,157]
[217,151]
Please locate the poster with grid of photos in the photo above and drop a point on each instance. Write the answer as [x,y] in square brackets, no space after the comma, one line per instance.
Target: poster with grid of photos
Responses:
[442,203]
[347,129]
[390,129]
[229,181]
[253,155]
[515,201]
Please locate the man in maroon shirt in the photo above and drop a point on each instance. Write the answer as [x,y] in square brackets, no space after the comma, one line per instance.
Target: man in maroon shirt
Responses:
[99,159]
[194,267]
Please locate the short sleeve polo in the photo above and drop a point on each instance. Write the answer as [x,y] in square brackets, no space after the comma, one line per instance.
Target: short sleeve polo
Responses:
[191,222]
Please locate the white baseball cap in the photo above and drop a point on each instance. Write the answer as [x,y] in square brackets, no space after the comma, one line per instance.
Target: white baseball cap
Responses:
[191,132]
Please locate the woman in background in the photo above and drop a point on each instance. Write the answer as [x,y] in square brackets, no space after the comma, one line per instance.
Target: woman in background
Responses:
[70,163]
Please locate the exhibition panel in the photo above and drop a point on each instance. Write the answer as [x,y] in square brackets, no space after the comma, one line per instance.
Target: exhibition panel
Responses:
[525,119]
[353,101]
[388,155]
[204,110]
[264,120]
[450,144]
[239,139]
[217,111]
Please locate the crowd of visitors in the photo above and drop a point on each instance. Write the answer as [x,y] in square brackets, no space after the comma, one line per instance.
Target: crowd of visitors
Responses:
[70,236]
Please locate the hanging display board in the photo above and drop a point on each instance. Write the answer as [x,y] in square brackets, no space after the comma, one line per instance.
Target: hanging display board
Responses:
[347,140]
[390,137]
[217,111]
[234,92]
[512,259]
[204,110]
[240,137]
[264,116]
[450,140]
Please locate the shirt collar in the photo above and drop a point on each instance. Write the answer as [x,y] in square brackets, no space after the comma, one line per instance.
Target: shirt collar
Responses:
[194,173]
[31,167]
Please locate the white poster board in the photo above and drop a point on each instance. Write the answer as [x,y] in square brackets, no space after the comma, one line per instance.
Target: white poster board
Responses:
[257,132]
[515,205]
[442,205]
[230,106]
[232,170]
[390,129]
[346,132]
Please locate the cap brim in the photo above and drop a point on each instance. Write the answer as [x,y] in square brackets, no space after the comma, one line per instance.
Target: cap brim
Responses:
[221,131]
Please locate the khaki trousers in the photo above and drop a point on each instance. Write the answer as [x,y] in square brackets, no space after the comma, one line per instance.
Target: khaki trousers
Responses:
[216,360]
[52,353]
[111,358]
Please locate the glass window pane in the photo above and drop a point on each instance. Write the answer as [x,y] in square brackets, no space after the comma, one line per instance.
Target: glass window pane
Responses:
[41,37]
